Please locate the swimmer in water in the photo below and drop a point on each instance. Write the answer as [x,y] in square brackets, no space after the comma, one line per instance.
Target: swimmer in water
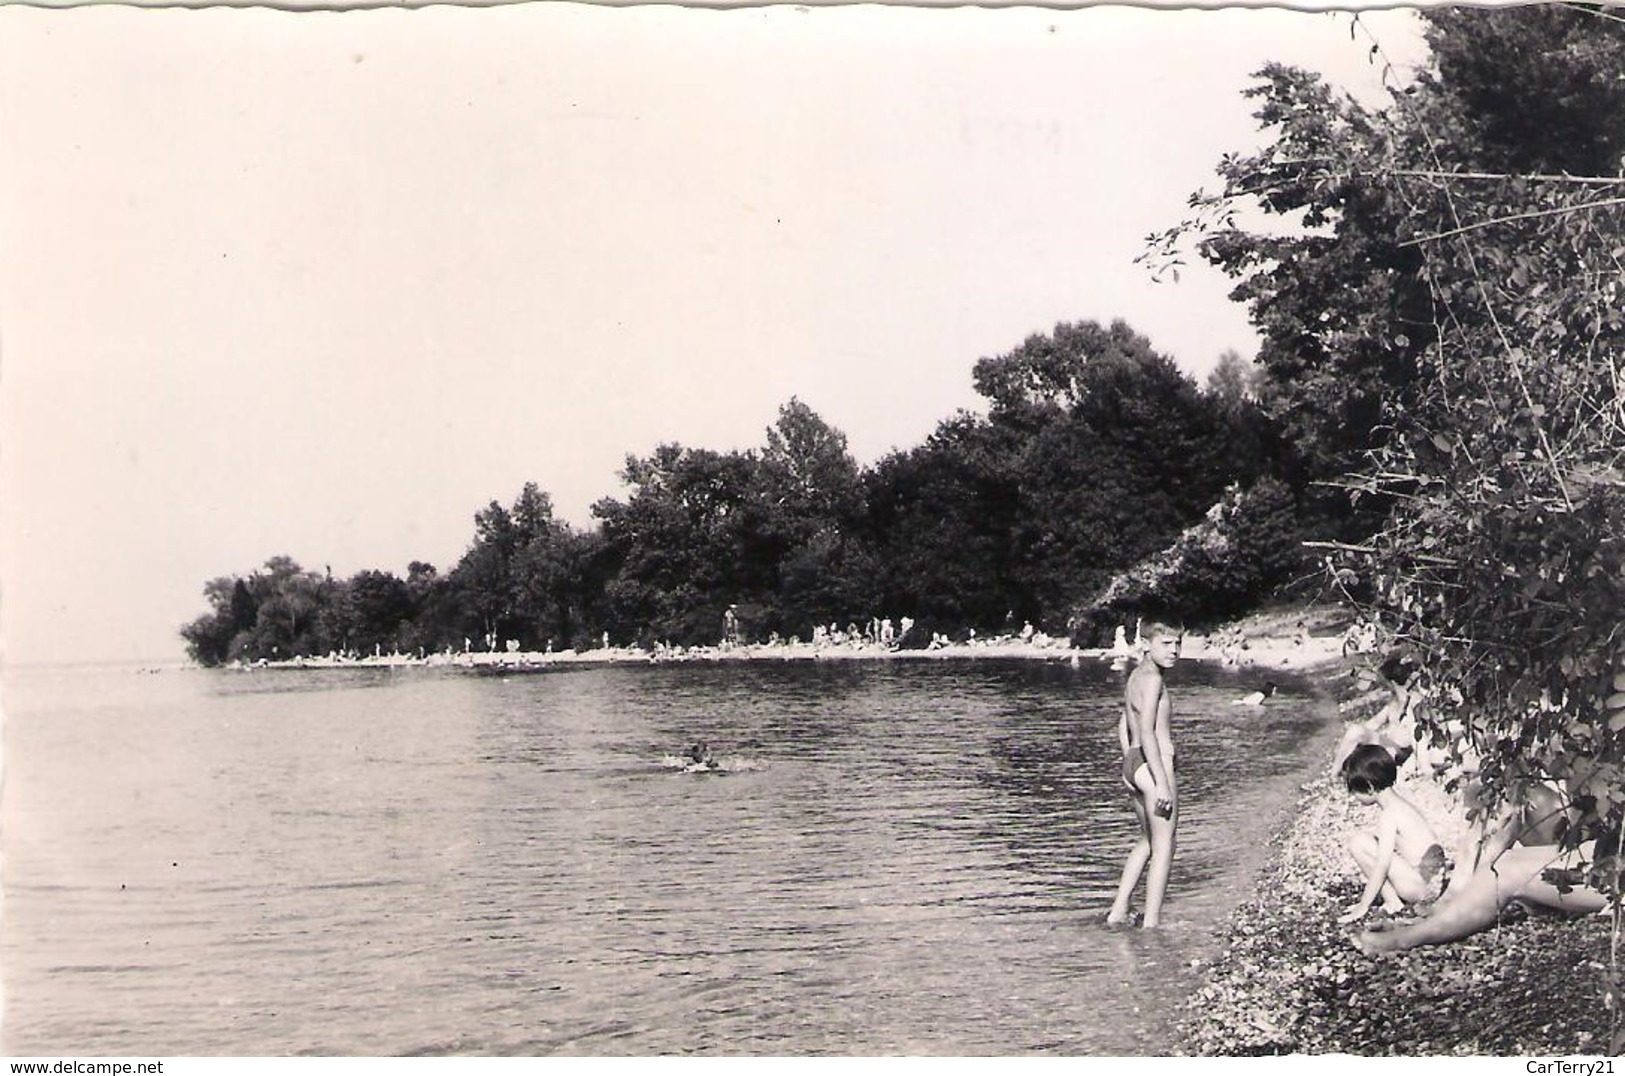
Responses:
[700,759]
[1256,698]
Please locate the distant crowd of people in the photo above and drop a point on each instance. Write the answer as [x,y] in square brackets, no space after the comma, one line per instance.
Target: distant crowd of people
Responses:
[878,631]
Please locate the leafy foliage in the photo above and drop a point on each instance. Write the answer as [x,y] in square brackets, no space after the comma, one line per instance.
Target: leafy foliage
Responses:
[208,638]
[1243,549]
[1112,451]
[679,544]
[1096,451]
[1444,343]
[942,517]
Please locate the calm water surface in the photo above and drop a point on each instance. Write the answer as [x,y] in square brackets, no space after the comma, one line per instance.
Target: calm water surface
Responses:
[914,857]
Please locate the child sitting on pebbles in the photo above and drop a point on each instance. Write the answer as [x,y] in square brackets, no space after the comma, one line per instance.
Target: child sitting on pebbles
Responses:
[1402,860]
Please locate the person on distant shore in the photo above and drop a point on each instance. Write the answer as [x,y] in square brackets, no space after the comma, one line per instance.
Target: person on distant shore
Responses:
[1144,733]
[1232,641]
[1120,648]
[1402,859]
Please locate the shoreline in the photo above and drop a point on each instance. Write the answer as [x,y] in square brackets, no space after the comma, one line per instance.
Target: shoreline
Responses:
[1289,980]
[1268,652]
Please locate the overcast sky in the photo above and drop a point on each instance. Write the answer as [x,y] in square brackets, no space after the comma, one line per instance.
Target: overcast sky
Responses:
[324,284]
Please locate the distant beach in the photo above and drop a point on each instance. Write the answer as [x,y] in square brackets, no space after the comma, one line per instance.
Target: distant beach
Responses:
[1265,642]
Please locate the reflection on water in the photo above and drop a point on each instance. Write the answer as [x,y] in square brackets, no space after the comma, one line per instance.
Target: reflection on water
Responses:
[414,861]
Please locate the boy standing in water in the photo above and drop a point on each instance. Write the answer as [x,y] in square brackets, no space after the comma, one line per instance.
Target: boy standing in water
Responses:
[1148,773]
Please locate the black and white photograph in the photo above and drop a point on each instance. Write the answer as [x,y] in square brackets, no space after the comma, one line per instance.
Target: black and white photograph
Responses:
[851,531]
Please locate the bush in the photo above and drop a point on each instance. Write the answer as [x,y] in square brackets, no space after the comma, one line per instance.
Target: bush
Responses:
[1246,546]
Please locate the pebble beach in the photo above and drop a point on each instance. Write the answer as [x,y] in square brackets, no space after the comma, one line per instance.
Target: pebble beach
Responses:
[1290,980]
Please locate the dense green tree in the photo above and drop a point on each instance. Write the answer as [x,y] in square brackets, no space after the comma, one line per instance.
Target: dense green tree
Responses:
[813,563]
[1245,547]
[1344,302]
[679,546]
[531,516]
[595,566]
[1233,382]
[807,475]
[208,638]
[516,580]
[942,517]
[380,604]
[289,600]
[1464,280]
[483,579]
[420,577]
[244,608]
[1234,388]
[484,597]
[1112,451]
[336,621]
[1051,375]
[546,573]
[1335,371]
[1527,90]
[436,611]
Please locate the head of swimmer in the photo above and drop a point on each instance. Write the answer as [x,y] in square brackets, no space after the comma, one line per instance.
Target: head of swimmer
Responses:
[1162,642]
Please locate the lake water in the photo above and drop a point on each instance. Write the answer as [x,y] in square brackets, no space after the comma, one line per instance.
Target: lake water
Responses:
[914,857]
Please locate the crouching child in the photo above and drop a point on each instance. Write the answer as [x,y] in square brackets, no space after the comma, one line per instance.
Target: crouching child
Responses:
[1402,860]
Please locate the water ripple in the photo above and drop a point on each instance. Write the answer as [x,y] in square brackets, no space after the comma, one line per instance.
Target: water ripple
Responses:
[916,860]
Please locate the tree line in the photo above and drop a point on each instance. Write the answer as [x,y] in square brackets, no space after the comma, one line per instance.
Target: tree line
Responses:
[1095,451]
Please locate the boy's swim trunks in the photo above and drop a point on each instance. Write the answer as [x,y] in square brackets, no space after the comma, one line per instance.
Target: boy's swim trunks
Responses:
[1133,759]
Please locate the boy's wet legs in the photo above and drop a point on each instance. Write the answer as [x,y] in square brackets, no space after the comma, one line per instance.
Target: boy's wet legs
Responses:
[1133,867]
[1162,860]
